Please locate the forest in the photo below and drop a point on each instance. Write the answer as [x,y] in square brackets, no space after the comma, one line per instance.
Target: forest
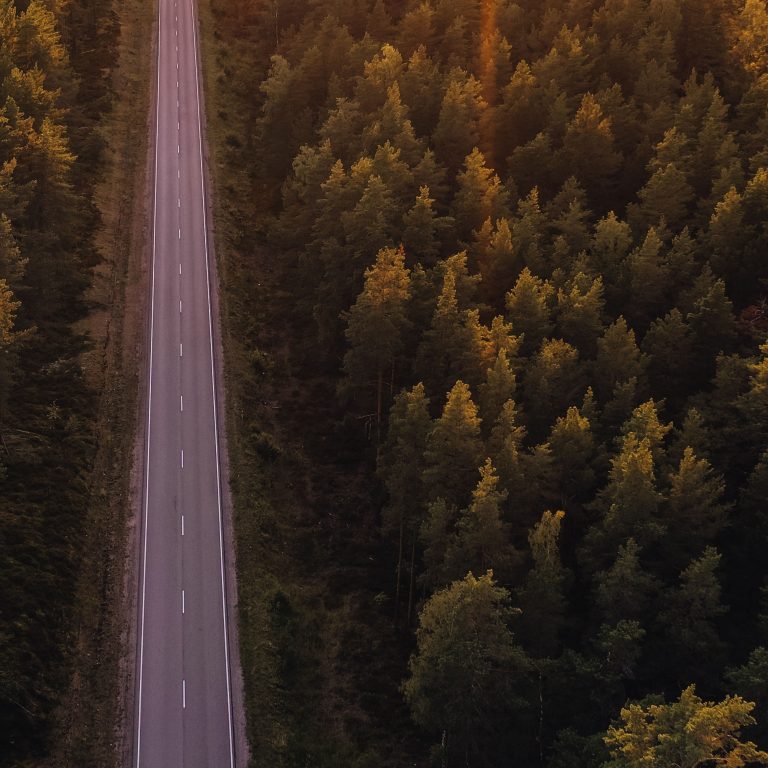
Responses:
[519,250]
[54,89]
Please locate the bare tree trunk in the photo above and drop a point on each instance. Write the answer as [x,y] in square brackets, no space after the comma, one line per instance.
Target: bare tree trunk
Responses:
[399,570]
[412,581]
[379,388]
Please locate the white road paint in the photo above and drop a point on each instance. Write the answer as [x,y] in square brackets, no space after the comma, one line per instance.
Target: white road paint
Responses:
[183,694]
[182,458]
[215,410]
[182,602]
[149,413]
[181,403]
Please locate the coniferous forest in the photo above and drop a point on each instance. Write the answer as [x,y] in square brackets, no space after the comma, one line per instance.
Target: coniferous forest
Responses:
[521,251]
[54,89]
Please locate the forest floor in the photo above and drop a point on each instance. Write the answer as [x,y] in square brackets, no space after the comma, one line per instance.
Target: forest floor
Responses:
[93,724]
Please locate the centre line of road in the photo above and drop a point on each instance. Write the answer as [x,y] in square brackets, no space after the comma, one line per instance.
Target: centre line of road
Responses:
[179,306]
[181,350]
[182,601]
[213,387]
[182,525]
[182,458]
[183,694]
[181,402]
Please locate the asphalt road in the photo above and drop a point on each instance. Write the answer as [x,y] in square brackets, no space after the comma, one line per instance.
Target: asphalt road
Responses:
[184,697]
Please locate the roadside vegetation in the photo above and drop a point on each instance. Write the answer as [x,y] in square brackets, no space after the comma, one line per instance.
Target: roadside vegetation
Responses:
[495,314]
[65,422]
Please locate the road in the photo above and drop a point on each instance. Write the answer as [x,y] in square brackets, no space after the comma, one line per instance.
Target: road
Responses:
[183,714]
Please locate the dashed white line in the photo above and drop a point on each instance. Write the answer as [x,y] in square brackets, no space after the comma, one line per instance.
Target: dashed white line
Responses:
[182,601]
[181,402]
[181,352]
[179,268]
[182,525]
[179,306]
[179,233]
[183,694]
[182,458]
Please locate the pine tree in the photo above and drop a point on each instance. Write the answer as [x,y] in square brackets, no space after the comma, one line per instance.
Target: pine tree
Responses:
[687,733]
[542,599]
[618,361]
[482,538]
[454,449]
[555,379]
[689,618]
[590,148]
[625,592]
[400,466]
[573,449]
[629,503]
[499,387]
[528,309]
[480,196]
[580,311]
[377,322]
[457,129]
[695,513]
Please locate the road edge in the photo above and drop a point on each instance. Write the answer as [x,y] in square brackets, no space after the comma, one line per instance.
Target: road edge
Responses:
[241,748]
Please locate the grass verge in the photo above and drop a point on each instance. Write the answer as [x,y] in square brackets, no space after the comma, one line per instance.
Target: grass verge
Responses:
[92,719]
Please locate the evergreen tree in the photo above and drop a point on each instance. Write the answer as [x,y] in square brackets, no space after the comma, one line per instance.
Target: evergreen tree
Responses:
[376,323]
[688,733]
[454,449]
[400,466]
[542,599]
[528,309]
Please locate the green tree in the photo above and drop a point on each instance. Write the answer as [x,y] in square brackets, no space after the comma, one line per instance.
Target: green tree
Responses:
[688,733]
[377,322]
[688,620]
[454,449]
[542,598]
[580,310]
[467,671]
[400,466]
[479,196]
[528,309]
[625,592]
[482,537]
[555,380]
[618,359]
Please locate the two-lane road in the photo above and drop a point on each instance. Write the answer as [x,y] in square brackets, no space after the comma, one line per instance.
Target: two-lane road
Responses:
[183,693]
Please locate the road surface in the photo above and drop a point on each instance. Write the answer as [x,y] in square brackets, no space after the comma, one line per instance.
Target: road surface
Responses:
[184,697]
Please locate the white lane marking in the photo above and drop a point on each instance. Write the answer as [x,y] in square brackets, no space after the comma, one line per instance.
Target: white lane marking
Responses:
[182,602]
[178,149]
[181,352]
[183,694]
[181,402]
[178,202]
[182,525]
[179,306]
[179,268]
[179,233]
[178,174]
[182,458]
[213,384]
[149,406]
